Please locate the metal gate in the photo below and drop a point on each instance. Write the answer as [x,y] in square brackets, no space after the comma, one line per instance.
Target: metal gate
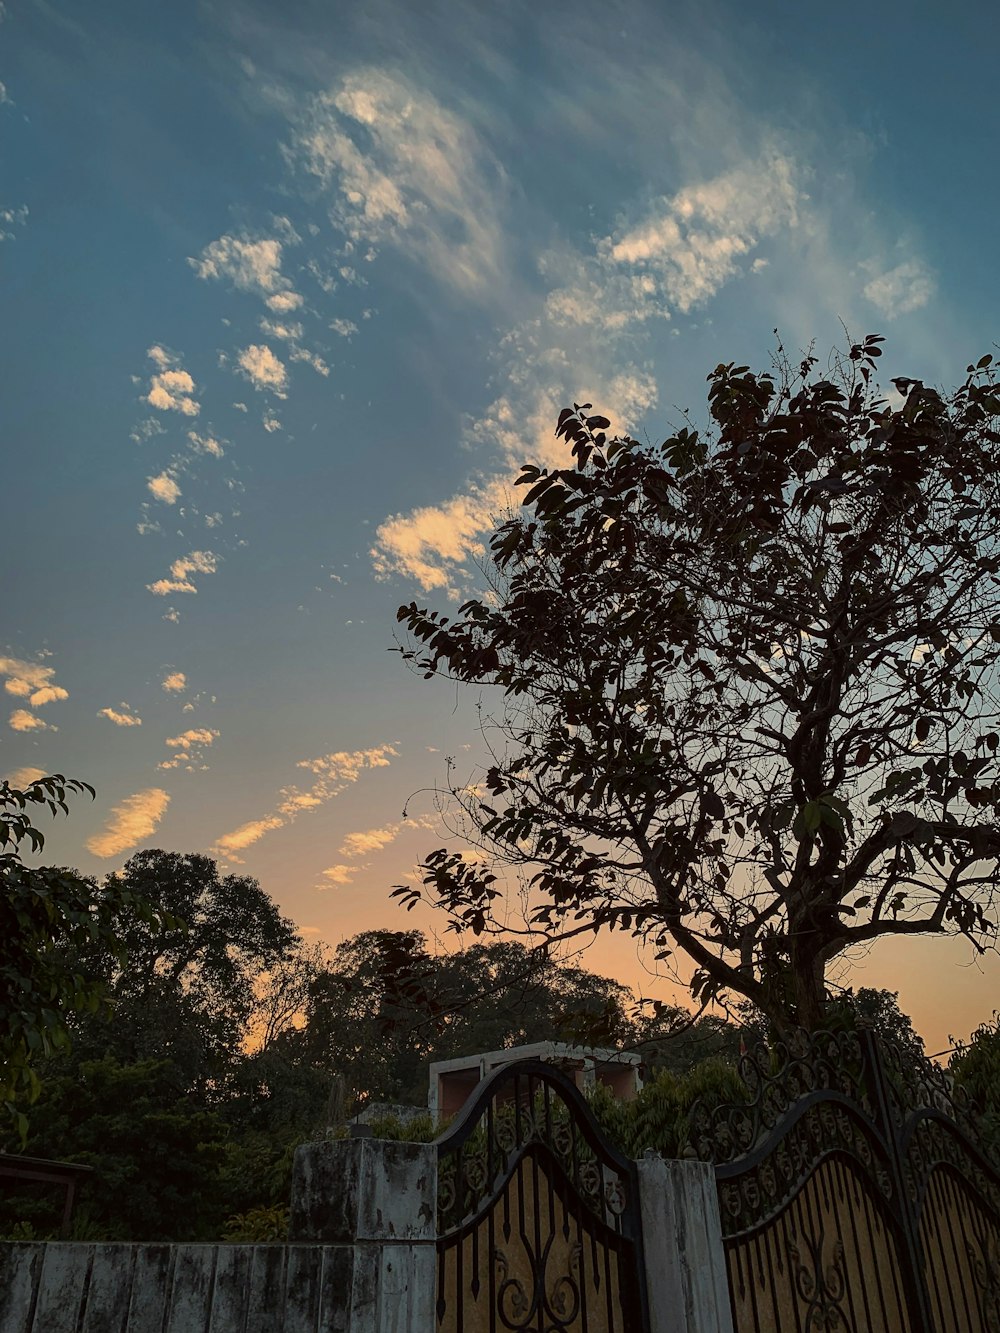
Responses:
[538,1216]
[853,1196]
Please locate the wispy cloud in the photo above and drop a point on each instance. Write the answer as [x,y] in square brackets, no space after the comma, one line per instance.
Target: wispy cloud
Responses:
[402,168]
[130,823]
[370,840]
[692,242]
[311,359]
[12,217]
[433,545]
[901,290]
[205,444]
[669,260]
[333,774]
[245,836]
[124,718]
[24,777]
[198,562]
[341,874]
[174,682]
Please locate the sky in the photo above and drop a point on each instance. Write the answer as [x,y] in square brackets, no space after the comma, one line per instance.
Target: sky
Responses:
[291,291]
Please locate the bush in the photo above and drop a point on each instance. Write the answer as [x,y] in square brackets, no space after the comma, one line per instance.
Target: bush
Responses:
[659,1117]
[257,1226]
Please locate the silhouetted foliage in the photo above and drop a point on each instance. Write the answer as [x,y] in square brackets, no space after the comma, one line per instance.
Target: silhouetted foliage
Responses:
[975,1066]
[385,1008]
[48,917]
[187,993]
[750,679]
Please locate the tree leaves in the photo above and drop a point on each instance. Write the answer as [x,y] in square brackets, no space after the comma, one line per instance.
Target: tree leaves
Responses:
[767,644]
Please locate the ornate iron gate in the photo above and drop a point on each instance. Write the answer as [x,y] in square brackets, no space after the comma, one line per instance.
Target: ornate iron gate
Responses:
[538,1217]
[853,1196]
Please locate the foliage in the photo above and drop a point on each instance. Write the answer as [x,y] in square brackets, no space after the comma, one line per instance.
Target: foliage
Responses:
[415,1129]
[188,993]
[975,1066]
[157,1155]
[658,1117]
[20,1232]
[669,1039]
[48,918]
[750,679]
[257,1226]
[878,1010]
[386,1007]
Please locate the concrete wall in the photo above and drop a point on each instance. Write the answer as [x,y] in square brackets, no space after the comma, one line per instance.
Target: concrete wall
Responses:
[77,1288]
[63,1287]
[362,1261]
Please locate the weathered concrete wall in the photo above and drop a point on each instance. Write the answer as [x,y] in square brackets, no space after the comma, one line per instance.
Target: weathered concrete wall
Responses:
[77,1288]
[362,1261]
[682,1238]
[383,1197]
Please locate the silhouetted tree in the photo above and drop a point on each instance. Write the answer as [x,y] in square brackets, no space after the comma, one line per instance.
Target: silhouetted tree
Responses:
[188,993]
[386,1007]
[47,917]
[750,678]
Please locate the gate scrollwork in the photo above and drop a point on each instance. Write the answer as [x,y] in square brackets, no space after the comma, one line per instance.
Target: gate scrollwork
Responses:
[538,1216]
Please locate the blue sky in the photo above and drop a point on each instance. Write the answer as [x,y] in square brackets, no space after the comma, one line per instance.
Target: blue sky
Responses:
[290,292]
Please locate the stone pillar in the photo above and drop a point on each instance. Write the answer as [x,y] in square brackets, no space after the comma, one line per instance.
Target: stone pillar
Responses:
[682,1239]
[379,1201]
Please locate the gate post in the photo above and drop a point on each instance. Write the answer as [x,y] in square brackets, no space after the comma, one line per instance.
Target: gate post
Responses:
[686,1278]
[376,1202]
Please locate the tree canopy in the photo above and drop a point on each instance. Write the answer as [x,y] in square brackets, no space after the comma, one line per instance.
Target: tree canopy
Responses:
[49,917]
[385,1008]
[188,992]
[749,678]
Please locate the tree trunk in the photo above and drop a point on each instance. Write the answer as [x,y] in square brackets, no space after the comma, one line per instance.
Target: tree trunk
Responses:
[808,989]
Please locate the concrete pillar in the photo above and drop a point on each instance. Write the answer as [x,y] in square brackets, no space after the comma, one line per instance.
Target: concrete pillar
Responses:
[682,1239]
[378,1200]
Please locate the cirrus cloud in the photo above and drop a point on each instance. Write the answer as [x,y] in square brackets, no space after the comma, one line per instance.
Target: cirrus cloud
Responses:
[333,774]
[129,823]
[901,290]
[402,168]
